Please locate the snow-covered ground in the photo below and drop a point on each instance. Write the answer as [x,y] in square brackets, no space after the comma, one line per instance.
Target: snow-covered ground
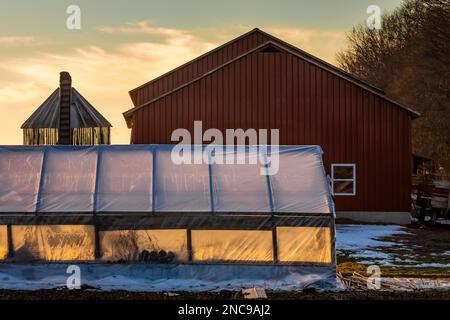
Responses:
[162,278]
[361,242]
[360,238]
[364,244]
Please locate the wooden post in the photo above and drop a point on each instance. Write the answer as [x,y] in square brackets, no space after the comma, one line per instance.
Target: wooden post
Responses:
[332,227]
[189,244]
[275,244]
[10,241]
[97,249]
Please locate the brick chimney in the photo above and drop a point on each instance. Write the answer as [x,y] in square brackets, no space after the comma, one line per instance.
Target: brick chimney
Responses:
[65,90]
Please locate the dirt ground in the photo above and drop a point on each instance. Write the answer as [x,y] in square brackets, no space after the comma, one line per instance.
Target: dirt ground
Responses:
[88,294]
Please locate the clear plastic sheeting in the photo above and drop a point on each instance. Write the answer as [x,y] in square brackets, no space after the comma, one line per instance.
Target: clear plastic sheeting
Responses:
[282,244]
[68,181]
[20,172]
[125,180]
[240,187]
[232,245]
[304,244]
[3,242]
[181,187]
[53,243]
[71,179]
[154,246]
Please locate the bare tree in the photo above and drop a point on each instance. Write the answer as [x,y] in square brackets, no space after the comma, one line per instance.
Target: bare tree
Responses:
[409,58]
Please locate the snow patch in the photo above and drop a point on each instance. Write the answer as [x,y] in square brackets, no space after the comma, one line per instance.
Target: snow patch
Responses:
[165,278]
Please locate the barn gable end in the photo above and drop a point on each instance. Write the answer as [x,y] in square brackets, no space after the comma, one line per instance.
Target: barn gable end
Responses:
[215,58]
[273,86]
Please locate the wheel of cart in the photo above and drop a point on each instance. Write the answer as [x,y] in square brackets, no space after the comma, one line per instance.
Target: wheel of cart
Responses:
[424,208]
[421,214]
[434,216]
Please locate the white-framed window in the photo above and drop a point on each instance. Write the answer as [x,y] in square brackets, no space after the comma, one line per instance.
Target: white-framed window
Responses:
[343,179]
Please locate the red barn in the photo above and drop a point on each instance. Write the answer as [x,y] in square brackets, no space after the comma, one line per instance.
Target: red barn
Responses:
[261,82]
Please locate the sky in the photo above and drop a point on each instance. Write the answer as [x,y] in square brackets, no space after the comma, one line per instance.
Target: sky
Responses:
[123,44]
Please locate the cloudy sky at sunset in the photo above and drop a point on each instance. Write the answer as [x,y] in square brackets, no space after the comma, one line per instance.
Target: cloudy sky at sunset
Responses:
[123,44]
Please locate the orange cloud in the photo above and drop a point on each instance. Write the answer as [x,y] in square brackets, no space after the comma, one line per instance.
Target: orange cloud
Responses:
[144,27]
[104,76]
[19,41]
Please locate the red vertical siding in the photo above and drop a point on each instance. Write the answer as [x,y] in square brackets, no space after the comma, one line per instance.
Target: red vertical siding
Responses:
[309,105]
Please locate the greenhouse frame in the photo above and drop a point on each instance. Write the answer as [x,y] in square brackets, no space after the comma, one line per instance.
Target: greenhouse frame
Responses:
[134,204]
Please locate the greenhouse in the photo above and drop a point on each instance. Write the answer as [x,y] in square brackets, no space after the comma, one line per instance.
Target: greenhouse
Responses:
[133,204]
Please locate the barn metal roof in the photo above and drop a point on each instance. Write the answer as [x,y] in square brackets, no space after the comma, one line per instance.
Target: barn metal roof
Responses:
[82,113]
